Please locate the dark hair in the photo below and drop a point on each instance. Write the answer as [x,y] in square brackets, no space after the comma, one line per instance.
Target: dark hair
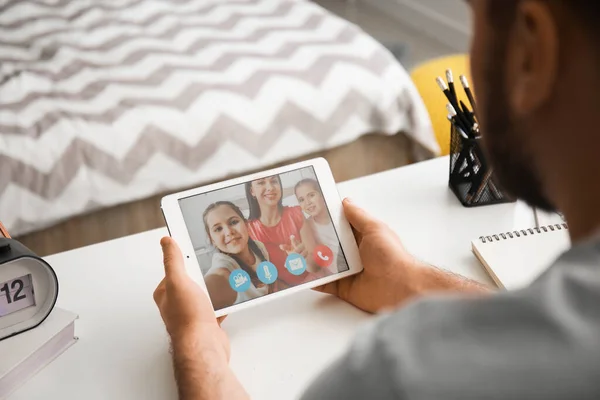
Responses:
[251,243]
[253,202]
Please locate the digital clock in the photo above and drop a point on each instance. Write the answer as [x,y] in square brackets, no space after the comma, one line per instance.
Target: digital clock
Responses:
[28,287]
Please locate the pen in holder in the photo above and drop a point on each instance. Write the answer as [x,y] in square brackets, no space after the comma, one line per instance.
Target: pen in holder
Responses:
[471,177]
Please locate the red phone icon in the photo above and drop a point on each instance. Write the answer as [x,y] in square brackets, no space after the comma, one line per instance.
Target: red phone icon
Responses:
[323,256]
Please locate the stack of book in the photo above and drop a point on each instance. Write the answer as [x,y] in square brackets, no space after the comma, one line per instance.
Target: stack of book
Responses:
[24,355]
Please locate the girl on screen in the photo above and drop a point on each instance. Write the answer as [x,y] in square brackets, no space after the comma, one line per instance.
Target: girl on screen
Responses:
[228,232]
[319,225]
[278,227]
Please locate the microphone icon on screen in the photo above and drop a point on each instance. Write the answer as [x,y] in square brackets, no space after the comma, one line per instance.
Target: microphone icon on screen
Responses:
[267,272]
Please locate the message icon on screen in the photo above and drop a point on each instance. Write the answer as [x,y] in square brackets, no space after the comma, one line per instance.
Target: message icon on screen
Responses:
[296,264]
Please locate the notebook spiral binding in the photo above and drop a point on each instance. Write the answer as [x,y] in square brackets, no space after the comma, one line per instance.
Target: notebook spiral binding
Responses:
[522,232]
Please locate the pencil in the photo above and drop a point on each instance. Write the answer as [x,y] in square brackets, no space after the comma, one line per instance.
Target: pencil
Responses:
[3,231]
[460,119]
[460,130]
[467,113]
[465,84]
[450,79]
[446,91]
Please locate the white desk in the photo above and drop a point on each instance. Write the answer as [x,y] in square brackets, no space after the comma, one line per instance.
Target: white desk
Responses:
[277,348]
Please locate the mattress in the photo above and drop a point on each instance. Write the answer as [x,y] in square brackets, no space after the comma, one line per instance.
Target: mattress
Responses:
[106,102]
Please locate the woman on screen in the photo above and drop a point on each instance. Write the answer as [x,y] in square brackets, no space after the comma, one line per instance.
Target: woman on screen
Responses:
[276,226]
[228,231]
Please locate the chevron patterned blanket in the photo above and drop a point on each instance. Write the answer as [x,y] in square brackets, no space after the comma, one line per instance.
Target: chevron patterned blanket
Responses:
[105,102]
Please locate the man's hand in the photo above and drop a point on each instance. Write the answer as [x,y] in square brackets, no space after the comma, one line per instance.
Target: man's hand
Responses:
[184,307]
[391,275]
[200,346]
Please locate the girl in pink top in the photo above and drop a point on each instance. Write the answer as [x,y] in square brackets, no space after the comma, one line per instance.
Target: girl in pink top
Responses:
[276,226]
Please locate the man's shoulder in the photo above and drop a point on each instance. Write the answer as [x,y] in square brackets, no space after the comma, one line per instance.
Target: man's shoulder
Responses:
[585,254]
[568,287]
[540,342]
[546,333]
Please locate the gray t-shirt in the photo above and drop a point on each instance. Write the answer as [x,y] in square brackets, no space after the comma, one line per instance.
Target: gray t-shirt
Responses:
[542,342]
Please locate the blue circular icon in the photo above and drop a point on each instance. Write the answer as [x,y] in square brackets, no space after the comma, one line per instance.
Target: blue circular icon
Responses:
[267,272]
[239,280]
[296,264]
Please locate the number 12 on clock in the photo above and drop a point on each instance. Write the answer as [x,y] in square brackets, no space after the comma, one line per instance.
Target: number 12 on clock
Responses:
[16,295]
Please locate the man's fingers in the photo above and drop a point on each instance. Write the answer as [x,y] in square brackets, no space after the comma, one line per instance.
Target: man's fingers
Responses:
[221,319]
[329,288]
[357,235]
[358,218]
[159,292]
[172,259]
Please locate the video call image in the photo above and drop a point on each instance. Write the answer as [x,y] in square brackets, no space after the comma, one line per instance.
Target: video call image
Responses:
[263,236]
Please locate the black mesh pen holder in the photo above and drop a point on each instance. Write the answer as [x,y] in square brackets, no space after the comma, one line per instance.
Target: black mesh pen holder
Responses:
[471,177]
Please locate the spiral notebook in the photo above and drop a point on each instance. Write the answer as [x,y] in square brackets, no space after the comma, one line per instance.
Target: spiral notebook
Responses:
[515,259]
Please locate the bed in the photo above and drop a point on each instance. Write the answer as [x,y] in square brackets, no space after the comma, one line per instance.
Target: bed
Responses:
[109,102]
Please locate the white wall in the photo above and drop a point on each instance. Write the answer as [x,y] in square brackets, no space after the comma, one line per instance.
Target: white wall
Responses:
[455,10]
[448,21]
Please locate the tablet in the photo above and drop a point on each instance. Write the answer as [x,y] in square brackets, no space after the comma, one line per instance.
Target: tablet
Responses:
[259,237]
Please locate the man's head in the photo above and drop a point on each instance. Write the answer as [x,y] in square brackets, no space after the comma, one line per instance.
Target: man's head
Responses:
[534,64]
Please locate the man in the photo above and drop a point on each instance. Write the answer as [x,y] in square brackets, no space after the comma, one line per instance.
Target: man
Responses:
[536,68]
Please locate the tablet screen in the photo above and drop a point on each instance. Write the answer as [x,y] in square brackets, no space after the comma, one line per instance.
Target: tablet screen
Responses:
[263,236]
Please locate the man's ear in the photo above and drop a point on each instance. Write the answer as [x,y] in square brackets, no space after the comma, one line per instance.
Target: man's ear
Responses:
[533,57]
